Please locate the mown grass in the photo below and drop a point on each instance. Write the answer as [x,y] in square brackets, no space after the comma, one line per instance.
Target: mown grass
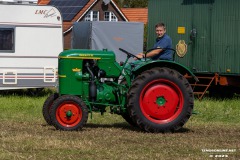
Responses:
[25,135]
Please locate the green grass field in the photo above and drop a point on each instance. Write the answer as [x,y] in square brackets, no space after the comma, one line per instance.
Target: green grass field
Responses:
[213,133]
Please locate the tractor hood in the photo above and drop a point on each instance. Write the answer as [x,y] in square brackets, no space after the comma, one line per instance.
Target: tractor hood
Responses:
[88,54]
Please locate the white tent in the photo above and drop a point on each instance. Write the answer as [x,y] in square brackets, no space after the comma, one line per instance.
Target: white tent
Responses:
[99,35]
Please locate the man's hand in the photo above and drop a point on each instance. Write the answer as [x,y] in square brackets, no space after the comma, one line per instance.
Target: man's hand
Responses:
[139,55]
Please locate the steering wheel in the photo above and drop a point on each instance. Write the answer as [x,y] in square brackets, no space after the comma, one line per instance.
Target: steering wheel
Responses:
[129,54]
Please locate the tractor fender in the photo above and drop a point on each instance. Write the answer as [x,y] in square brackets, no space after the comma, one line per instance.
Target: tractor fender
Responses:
[163,63]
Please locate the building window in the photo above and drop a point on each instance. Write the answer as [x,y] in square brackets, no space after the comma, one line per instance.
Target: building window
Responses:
[110,16]
[92,16]
[6,39]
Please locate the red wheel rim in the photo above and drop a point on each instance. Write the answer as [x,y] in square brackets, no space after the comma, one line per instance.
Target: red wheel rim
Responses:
[161,101]
[64,117]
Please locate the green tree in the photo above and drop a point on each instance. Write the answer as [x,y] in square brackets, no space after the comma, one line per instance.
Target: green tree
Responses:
[132,3]
[119,3]
[136,3]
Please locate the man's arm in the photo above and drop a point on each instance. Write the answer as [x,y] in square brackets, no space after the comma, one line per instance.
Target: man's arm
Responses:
[153,52]
[150,54]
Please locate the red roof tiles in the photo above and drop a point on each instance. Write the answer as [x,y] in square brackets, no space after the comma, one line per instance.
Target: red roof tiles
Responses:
[136,14]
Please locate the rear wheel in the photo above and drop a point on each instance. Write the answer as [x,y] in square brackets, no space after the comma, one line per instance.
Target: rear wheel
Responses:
[160,100]
[47,106]
[69,113]
[128,119]
[126,115]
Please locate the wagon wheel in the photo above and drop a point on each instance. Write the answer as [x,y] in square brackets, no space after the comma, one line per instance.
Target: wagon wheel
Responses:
[221,92]
[69,113]
[160,100]
[47,106]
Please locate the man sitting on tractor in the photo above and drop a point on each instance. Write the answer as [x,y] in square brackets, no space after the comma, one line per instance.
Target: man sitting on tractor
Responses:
[162,47]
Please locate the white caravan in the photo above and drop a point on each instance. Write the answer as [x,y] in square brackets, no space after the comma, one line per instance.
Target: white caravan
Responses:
[31,38]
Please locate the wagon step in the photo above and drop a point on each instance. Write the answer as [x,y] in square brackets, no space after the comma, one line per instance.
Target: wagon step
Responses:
[199,77]
[201,87]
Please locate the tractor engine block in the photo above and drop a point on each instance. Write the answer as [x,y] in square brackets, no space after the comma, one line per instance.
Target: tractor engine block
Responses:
[105,93]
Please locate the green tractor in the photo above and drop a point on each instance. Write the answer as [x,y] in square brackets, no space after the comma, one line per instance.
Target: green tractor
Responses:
[152,95]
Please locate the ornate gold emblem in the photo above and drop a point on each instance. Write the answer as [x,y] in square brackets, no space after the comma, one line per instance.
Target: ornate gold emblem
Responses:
[181,48]
[76,70]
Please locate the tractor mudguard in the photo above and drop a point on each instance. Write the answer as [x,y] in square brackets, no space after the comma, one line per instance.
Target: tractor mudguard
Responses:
[143,65]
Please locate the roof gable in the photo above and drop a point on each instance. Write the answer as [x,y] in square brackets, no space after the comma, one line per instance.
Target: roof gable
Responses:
[67,25]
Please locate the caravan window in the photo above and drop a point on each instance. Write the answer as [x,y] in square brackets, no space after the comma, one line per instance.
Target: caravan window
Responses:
[6,39]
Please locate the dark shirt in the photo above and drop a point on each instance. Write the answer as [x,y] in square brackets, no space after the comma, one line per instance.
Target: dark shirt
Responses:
[164,42]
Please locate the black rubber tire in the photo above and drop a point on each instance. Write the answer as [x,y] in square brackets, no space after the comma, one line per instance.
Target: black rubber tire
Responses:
[46,107]
[128,119]
[158,75]
[76,121]
[126,115]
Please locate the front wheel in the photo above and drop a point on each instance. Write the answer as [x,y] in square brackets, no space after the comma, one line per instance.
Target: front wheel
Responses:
[160,100]
[47,106]
[69,113]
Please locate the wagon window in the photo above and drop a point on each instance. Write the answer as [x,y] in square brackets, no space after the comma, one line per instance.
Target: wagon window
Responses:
[6,39]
